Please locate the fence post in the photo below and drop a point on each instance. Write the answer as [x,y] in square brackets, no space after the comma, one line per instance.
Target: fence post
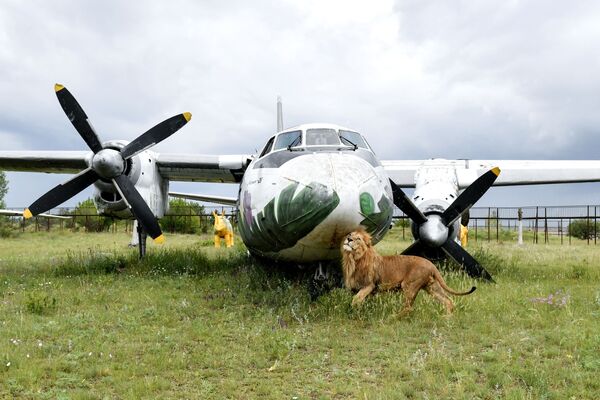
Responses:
[569,232]
[561,231]
[497,225]
[588,225]
[520,229]
[476,223]
[489,223]
[546,225]
[535,233]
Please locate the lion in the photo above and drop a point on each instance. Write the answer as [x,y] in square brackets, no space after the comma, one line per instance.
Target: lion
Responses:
[365,270]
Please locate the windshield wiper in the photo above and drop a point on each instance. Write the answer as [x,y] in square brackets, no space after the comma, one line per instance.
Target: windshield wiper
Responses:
[294,143]
[349,142]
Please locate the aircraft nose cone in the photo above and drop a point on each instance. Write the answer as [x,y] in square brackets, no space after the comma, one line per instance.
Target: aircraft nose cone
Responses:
[433,232]
[108,163]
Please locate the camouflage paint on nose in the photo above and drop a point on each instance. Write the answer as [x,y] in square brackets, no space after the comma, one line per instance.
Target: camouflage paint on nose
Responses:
[367,204]
[376,222]
[288,217]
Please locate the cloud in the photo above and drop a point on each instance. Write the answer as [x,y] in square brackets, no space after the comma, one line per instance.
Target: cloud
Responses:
[437,79]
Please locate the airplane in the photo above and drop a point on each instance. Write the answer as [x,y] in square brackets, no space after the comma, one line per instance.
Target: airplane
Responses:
[16,213]
[309,186]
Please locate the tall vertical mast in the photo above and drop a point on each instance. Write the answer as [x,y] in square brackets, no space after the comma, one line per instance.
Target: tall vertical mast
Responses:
[279,115]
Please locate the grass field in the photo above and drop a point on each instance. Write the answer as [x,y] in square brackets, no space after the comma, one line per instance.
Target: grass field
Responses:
[80,317]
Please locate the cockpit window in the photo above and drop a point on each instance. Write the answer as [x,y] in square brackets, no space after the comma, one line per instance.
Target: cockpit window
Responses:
[288,138]
[352,138]
[267,148]
[322,137]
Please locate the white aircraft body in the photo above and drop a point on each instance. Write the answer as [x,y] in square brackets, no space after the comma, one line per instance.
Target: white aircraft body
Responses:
[309,186]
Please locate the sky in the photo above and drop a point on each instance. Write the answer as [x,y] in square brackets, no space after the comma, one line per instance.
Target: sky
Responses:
[437,79]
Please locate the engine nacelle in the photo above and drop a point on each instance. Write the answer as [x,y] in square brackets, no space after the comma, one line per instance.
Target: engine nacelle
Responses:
[436,189]
[143,173]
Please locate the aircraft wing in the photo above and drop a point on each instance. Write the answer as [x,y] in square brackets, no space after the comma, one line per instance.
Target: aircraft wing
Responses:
[15,213]
[202,168]
[174,167]
[512,172]
[62,162]
[228,201]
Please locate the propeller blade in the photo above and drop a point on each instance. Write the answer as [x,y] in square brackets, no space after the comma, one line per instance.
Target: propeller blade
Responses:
[78,117]
[155,135]
[402,201]
[61,193]
[470,196]
[415,249]
[139,208]
[461,256]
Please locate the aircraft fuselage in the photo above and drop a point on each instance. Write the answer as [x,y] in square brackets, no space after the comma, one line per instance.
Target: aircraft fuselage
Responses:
[298,201]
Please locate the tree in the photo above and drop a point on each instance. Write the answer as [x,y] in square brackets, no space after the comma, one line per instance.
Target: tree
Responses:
[5,230]
[584,229]
[184,217]
[3,188]
[88,217]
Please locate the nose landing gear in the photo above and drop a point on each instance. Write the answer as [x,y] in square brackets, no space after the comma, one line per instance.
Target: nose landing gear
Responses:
[327,276]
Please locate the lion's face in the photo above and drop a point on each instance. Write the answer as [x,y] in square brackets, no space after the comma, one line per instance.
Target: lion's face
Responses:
[357,243]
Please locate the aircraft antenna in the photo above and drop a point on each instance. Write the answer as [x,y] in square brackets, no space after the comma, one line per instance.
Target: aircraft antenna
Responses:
[279,115]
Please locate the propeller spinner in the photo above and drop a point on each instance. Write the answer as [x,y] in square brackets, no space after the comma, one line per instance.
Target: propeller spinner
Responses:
[434,229]
[108,164]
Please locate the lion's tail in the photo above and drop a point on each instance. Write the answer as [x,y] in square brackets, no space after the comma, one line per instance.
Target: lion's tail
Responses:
[442,282]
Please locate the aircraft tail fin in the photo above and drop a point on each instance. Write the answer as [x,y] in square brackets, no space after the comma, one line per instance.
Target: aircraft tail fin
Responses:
[279,115]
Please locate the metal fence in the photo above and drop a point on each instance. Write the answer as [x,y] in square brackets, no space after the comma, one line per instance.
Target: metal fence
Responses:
[87,219]
[541,224]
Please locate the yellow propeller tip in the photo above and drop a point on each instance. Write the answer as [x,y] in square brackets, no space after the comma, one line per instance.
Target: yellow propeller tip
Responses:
[160,239]
[496,171]
[187,116]
[58,87]
[27,214]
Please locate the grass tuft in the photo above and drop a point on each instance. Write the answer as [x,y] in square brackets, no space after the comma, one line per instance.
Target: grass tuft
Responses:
[40,303]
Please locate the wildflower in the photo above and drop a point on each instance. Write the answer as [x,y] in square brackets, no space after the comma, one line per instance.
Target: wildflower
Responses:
[558,299]
[8,364]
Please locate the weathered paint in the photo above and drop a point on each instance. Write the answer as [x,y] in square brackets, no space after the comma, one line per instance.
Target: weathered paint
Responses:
[278,206]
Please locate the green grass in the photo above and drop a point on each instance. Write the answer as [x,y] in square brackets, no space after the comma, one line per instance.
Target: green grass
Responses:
[81,317]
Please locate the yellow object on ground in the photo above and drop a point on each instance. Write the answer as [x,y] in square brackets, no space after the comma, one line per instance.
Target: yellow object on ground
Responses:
[464,235]
[223,230]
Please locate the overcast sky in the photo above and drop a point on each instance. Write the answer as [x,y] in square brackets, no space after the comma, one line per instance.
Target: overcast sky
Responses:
[463,79]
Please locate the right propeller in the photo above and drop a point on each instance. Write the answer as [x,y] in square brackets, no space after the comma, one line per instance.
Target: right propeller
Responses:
[107,164]
[433,230]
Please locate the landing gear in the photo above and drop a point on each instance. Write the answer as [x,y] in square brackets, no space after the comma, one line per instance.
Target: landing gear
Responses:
[142,236]
[327,276]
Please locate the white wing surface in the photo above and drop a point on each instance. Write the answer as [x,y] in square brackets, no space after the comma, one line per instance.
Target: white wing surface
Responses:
[228,201]
[15,213]
[174,167]
[512,172]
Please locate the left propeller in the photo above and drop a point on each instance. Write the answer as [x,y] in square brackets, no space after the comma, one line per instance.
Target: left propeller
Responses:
[433,230]
[108,164]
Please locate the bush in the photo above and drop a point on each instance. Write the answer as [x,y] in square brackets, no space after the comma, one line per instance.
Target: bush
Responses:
[40,303]
[583,229]
[402,223]
[87,216]
[185,217]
